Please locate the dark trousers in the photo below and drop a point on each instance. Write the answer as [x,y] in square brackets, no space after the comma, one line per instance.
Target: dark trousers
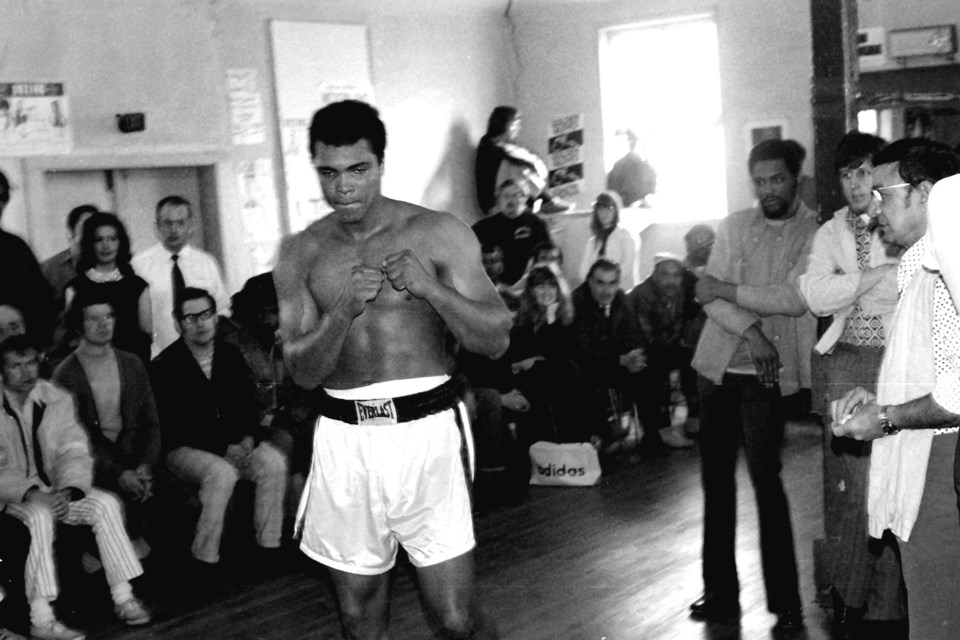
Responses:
[14,545]
[740,410]
[931,558]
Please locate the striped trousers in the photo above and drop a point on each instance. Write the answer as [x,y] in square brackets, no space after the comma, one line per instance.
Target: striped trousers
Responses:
[99,510]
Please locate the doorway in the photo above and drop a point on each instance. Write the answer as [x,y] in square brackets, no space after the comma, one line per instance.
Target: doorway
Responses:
[132,194]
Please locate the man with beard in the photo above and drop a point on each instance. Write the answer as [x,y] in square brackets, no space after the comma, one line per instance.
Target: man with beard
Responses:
[663,311]
[753,349]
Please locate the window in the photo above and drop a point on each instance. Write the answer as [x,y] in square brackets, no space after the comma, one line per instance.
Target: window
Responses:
[662,80]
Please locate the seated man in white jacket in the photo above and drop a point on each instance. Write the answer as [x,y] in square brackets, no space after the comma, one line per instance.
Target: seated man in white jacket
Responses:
[46,475]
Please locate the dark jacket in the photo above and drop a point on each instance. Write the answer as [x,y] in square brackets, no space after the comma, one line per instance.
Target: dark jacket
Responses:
[201,413]
[139,439]
[601,340]
[23,285]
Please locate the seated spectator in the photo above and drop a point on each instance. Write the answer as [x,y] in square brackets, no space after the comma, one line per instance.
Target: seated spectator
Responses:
[540,357]
[48,478]
[545,254]
[209,419]
[22,284]
[699,243]
[492,257]
[14,547]
[609,240]
[496,406]
[286,411]
[61,268]
[610,352]
[512,229]
[11,321]
[104,267]
[663,310]
[114,401]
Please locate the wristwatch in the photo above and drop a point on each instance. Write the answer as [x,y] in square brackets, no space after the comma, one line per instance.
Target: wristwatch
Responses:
[886,424]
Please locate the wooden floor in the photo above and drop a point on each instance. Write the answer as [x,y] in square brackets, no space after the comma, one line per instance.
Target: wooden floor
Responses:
[619,561]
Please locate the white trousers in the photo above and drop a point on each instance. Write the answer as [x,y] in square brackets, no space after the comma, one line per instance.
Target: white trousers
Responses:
[216,477]
[99,510]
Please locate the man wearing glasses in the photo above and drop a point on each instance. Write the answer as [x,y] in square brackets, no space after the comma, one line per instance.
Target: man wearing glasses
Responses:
[209,420]
[173,264]
[913,418]
[851,277]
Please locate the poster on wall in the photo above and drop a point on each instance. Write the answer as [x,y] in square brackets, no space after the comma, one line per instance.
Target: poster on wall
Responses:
[246,107]
[258,211]
[34,119]
[565,157]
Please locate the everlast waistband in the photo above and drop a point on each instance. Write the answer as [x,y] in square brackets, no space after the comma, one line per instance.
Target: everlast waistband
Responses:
[389,410]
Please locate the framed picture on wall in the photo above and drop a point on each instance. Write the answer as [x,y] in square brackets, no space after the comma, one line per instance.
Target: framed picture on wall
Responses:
[764,130]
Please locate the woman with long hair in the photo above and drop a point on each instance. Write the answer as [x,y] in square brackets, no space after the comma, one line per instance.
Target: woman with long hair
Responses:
[104,267]
[540,356]
[609,240]
[500,158]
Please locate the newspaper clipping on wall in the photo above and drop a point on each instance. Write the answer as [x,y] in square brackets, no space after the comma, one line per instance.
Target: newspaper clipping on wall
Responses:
[34,119]
[565,159]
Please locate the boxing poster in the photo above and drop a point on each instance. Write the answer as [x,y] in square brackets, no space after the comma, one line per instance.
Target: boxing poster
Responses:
[34,119]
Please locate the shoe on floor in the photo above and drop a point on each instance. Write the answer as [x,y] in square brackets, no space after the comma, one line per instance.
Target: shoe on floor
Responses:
[714,607]
[132,612]
[6,634]
[56,630]
[673,438]
[789,620]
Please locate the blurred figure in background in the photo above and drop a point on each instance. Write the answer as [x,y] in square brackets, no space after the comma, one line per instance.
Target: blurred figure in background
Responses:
[633,178]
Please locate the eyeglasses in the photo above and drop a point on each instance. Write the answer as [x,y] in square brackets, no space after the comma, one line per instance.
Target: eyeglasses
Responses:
[194,318]
[878,191]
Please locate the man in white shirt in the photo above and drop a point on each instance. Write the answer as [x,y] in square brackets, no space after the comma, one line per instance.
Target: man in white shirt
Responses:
[911,490]
[852,277]
[197,268]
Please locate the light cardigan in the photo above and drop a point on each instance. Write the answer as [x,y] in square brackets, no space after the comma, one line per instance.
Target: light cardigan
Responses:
[833,274]
[621,249]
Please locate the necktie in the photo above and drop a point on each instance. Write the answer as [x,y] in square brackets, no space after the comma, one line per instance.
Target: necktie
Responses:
[177,277]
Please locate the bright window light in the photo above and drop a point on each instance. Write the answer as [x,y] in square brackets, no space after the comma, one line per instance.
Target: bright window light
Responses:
[662,80]
[867,122]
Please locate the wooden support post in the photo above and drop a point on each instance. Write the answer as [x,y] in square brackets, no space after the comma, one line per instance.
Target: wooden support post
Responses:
[835,79]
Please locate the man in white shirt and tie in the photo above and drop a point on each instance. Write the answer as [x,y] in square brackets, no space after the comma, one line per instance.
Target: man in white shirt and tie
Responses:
[159,266]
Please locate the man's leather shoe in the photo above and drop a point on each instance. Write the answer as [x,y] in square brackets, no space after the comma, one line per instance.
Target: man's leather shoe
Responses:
[789,620]
[714,607]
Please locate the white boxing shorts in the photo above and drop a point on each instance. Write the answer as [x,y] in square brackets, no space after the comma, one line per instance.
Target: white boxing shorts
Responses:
[393,464]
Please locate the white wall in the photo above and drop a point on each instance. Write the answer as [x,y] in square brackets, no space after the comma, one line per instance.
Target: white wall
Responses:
[437,72]
[765,55]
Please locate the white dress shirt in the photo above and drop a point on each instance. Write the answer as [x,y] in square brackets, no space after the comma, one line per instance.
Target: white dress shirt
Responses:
[199,269]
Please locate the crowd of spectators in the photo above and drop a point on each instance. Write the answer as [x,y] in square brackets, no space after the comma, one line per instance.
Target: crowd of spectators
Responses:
[143,452]
[135,392]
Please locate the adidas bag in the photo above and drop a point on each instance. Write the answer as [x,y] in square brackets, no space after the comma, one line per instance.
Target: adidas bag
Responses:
[571,464]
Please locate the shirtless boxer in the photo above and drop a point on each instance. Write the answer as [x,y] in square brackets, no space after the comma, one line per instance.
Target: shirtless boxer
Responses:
[369,297]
